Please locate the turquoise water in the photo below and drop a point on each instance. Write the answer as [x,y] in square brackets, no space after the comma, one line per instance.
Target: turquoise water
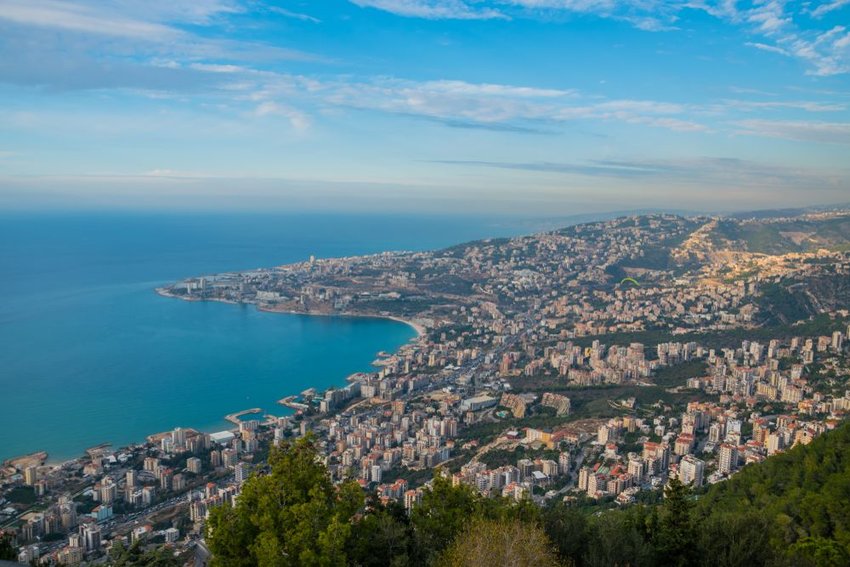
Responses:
[90,354]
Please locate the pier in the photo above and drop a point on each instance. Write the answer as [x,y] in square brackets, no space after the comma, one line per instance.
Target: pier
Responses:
[235,417]
[289,401]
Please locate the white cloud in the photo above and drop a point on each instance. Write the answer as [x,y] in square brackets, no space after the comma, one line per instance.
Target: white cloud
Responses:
[769,48]
[488,104]
[81,18]
[431,9]
[800,130]
[776,23]
[297,119]
[294,15]
[808,106]
[828,7]
[649,15]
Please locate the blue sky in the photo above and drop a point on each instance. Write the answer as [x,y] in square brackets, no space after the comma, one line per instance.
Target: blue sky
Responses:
[539,107]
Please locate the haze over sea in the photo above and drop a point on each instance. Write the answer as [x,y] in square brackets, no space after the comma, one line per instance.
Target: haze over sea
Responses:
[90,354]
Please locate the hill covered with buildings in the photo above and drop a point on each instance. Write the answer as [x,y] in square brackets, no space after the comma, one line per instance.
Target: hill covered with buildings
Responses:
[561,383]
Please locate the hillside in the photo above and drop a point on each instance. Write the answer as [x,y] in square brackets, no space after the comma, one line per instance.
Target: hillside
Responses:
[793,509]
[784,235]
[803,493]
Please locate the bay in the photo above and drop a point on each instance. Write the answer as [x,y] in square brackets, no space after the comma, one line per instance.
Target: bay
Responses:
[90,354]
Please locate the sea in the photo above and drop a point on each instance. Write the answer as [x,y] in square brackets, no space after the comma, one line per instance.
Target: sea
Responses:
[90,354]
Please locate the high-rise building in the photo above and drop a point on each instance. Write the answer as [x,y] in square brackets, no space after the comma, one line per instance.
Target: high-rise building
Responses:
[108,491]
[691,470]
[171,535]
[583,478]
[193,465]
[837,340]
[727,461]
[242,471]
[31,475]
[151,464]
[165,478]
[411,499]
[564,463]
[178,483]
[635,469]
[178,437]
[775,443]
[229,457]
[148,495]
[91,536]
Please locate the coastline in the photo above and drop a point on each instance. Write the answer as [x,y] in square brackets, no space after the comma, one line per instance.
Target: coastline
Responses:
[421,331]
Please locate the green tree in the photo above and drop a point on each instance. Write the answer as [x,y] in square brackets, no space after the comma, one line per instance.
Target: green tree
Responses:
[8,552]
[818,552]
[500,543]
[291,516]
[673,534]
[443,513]
[134,556]
[619,538]
[567,528]
[383,537]
[735,540]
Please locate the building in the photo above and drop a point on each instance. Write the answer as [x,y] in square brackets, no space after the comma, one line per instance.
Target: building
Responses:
[564,463]
[171,535]
[478,403]
[228,458]
[727,461]
[108,492]
[178,438]
[91,537]
[178,483]
[31,475]
[691,470]
[242,471]
[165,479]
[635,469]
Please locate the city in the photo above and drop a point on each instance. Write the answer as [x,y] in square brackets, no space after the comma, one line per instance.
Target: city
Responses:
[589,365]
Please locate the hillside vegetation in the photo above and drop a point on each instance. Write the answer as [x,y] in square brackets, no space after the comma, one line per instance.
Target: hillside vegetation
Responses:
[784,236]
[792,510]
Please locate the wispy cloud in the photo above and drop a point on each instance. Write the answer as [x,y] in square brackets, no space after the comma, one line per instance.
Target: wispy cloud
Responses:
[775,25]
[706,171]
[295,15]
[828,7]
[800,130]
[485,104]
[432,9]
[649,15]
[768,48]
[147,46]
[805,105]
[298,119]
[82,18]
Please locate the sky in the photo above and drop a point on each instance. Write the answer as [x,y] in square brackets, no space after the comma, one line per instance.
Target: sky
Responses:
[532,107]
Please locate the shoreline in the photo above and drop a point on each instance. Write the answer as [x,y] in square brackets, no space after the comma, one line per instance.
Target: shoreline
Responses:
[421,330]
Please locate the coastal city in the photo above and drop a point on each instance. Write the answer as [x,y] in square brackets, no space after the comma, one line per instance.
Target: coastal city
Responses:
[588,365]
